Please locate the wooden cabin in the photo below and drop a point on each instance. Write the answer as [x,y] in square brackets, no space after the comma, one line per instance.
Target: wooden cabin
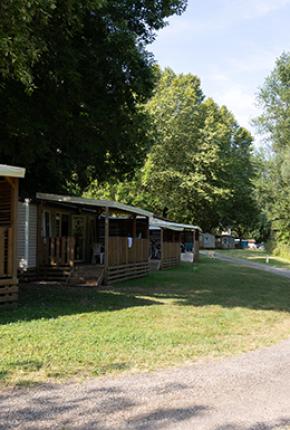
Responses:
[9,178]
[165,244]
[167,240]
[83,241]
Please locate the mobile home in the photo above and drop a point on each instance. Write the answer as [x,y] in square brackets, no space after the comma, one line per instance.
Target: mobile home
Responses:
[9,183]
[86,241]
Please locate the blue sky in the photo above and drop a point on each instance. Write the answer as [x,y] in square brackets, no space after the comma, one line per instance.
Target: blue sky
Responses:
[230,44]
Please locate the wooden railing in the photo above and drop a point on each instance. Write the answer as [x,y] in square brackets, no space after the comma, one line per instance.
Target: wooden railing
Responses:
[6,252]
[171,250]
[58,251]
[120,253]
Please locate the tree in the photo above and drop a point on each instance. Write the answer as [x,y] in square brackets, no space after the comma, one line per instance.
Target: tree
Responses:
[274,98]
[199,167]
[74,74]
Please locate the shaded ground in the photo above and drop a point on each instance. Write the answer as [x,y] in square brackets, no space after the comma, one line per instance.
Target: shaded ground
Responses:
[248,392]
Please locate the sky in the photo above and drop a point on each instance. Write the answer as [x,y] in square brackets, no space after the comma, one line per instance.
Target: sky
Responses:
[231,45]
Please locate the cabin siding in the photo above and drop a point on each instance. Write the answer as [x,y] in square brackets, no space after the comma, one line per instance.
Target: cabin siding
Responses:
[27,261]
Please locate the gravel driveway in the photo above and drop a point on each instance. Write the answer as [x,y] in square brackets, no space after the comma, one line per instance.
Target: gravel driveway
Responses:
[243,262]
[250,391]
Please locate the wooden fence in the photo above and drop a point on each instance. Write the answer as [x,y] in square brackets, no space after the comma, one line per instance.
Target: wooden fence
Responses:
[58,251]
[170,254]
[8,282]
[120,253]
[6,252]
[126,263]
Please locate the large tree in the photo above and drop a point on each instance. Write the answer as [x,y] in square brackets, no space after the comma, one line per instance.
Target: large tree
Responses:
[274,123]
[199,167]
[72,77]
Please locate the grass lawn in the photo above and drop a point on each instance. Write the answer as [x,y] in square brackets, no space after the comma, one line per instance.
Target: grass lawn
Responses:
[257,256]
[176,316]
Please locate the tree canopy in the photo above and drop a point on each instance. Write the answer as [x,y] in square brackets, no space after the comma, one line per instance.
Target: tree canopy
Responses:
[73,75]
[274,123]
[199,168]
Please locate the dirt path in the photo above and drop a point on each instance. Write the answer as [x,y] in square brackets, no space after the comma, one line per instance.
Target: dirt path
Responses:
[243,262]
[250,391]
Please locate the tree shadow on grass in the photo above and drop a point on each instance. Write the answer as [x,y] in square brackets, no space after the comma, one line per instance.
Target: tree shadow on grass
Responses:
[37,302]
[210,282]
[214,283]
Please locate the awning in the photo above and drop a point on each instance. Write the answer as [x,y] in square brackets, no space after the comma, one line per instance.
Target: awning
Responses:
[79,201]
[12,171]
[157,224]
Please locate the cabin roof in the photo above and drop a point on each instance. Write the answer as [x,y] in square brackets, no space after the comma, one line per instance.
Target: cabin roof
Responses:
[157,223]
[12,171]
[80,201]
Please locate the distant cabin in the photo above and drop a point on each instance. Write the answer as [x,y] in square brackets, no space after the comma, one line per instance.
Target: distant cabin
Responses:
[225,242]
[168,239]
[208,241]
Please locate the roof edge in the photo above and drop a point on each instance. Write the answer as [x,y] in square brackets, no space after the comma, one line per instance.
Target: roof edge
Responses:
[93,202]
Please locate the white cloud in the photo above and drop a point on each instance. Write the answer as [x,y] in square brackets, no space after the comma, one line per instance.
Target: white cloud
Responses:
[249,9]
[242,104]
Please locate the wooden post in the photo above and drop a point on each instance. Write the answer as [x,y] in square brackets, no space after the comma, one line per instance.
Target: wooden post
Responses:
[107,232]
[161,246]
[134,229]
[40,247]
[14,228]
[193,245]
[196,248]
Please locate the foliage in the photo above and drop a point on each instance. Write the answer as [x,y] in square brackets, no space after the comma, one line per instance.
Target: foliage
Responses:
[168,318]
[199,168]
[72,77]
[274,99]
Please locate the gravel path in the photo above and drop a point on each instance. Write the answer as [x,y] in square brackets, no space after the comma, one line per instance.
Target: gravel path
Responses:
[250,391]
[242,262]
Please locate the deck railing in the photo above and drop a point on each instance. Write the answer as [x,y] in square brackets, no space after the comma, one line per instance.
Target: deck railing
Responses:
[120,253]
[171,250]
[58,251]
[6,252]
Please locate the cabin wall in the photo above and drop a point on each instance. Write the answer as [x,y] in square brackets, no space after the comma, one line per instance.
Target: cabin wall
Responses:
[165,245]
[26,235]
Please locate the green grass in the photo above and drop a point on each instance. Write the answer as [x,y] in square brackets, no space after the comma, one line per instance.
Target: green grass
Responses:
[171,317]
[257,256]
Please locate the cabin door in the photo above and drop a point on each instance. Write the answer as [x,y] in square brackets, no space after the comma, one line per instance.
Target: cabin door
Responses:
[79,233]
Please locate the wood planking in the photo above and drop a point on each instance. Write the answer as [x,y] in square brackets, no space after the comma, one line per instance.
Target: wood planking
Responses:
[128,271]
[58,251]
[121,254]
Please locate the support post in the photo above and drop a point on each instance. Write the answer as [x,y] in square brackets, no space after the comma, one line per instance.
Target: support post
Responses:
[107,232]
[193,246]
[161,246]
[14,228]
[134,229]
